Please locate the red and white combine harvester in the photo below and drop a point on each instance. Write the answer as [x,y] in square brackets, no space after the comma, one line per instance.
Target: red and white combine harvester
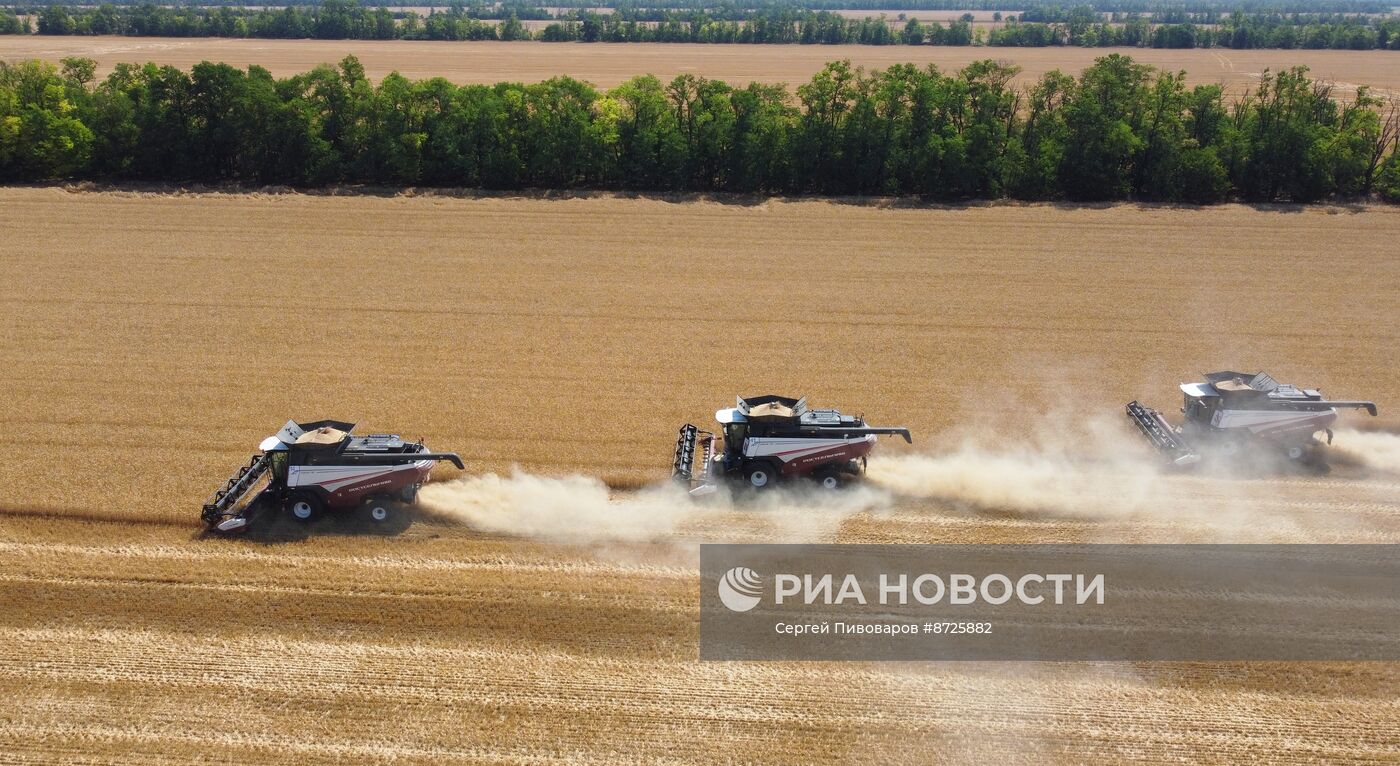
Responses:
[307,469]
[1234,414]
[769,439]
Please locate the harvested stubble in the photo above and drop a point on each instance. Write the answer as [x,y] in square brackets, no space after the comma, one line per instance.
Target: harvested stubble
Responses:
[156,339]
[152,340]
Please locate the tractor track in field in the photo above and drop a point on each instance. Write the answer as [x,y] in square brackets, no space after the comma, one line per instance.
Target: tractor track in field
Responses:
[172,677]
[465,634]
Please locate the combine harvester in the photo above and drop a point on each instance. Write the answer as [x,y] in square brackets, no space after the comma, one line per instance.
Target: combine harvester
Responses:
[770,439]
[1232,414]
[312,468]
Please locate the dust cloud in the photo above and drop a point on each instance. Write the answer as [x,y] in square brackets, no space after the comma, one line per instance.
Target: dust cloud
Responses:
[1378,450]
[1100,471]
[1076,468]
[560,508]
[580,508]
[1019,479]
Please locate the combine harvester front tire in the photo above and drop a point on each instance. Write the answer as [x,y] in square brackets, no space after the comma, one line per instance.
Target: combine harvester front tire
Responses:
[386,516]
[760,476]
[304,507]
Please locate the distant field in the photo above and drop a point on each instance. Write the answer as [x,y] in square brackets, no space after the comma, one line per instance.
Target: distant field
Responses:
[979,18]
[609,64]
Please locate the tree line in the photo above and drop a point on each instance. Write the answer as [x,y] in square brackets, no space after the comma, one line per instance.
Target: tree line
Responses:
[1081,26]
[1121,130]
[1040,25]
[1106,6]
[522,8]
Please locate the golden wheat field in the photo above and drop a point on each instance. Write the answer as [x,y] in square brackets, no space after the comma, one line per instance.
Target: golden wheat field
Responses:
[540,616]
[606,65]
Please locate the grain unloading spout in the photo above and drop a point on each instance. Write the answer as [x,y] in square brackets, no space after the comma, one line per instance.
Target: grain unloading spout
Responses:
[445,457]
[880,431]
[1368,406]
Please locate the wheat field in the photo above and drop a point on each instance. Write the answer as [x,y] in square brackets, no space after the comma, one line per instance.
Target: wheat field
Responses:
[607,65]
[152,339]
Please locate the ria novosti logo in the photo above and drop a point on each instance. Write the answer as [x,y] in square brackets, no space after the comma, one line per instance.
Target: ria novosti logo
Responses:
[739,589]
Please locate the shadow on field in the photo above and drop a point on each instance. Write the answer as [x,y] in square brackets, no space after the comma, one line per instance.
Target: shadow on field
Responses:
[1350,205]
[918,203]
[273,526]
[97,517]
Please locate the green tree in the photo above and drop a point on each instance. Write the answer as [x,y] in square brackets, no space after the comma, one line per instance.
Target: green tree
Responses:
[1201,176]
[42,135]
[650,150]
[1157,169]
[285,141]
[1040,150]
[976,161]
[512,29]
[394,128]
[1103,124]
[764,125]
[1388,180]
[1120,130]
[705,120]
[1284,135]
[559,147]
[55,20]
[827,100]
[914,33]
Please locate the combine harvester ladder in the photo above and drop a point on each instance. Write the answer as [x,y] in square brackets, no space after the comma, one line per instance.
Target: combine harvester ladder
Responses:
[237,487]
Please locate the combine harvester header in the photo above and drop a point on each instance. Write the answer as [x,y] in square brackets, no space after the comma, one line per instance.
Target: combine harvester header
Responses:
[768,439]
[311,468]
[1232,413]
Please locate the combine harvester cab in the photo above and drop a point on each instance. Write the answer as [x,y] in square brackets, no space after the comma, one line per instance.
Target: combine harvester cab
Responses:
[766,440]
[1232,414]
[308,469]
